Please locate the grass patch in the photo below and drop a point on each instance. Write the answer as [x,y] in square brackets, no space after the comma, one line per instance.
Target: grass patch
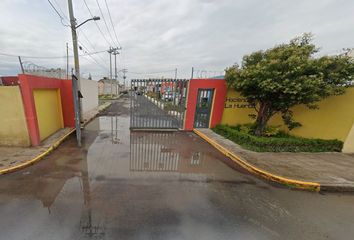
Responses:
[153,95]
[171,107]
[107,97]
[279,142]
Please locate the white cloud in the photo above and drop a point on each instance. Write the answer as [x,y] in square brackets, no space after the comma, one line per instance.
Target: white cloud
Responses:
[159,35]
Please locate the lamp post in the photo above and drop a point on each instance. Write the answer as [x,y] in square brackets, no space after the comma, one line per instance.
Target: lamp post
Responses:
[78,112]
[95,18]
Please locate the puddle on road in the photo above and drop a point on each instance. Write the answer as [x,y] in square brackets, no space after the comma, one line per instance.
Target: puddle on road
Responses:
[118,153]
[73,183]
[148,185]
[112,152]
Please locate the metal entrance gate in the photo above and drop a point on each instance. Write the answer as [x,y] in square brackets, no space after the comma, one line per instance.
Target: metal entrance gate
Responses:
[158,103]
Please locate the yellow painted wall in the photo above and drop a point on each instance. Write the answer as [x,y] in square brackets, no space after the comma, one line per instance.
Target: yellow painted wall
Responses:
[49,111]
[236,110]
[13,126]
[333,120]
[349,142]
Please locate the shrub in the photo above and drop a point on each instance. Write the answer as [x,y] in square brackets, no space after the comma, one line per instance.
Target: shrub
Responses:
[171,107]
[152,94]
[107,97]
[280,142]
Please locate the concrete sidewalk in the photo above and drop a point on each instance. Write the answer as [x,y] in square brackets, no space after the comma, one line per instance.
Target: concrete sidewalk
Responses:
[14,158]
[328,171]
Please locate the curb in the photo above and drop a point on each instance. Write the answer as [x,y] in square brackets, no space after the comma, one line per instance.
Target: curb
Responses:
[92,117]
[37,158]
[312,186]
[49,150]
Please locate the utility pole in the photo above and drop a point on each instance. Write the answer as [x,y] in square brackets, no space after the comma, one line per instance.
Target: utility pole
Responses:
[19,59]
[192,72]
[176,74]
[110,69]
[67,61]
[124,77]
[75,47]
[76,51]
[112,51]
[115,52]
[76,80]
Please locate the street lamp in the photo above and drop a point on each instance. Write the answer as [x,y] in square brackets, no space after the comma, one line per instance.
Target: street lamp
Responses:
[95,18]
[77,80]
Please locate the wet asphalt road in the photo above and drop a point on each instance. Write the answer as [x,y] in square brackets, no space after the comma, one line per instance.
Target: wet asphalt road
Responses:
[124,185]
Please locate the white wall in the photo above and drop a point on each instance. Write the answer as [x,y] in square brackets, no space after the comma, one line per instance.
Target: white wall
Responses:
[107,88]
[89,90]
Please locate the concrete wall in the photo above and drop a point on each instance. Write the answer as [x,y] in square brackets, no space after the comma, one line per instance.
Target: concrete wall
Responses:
[31,83]
[333,120]
[9,80]
[13,127]
[106,88]
[89,90]
[100,86]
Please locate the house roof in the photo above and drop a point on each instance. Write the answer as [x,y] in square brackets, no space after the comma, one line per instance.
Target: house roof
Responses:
[106,81]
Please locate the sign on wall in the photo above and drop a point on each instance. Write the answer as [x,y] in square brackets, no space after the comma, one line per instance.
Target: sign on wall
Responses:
[237,102]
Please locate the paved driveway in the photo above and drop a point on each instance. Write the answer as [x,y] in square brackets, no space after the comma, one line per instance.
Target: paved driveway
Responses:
[124,185]
[147,114]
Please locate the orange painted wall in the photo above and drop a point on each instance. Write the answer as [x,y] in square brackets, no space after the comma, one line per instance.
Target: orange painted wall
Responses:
[30,82]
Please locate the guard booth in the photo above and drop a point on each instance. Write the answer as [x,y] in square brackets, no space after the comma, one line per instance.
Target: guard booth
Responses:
[205,103]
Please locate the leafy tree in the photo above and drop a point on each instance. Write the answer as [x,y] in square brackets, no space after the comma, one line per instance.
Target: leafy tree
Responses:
[286,75]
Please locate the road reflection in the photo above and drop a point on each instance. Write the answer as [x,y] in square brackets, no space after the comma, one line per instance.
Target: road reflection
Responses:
[149,185]
[167,152]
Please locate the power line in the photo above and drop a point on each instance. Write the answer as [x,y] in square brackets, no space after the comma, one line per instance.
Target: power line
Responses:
[98,64]
[60,16]
[92,46]
[110,17]
[87,39]
[151,72]
[104,20]
[62,12]
[87,52]
[51,4]
[96,23]
[49,57]
[66,18]
[86,49]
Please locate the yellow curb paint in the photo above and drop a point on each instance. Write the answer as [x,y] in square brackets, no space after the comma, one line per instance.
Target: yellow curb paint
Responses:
[46,152]
[39,157]
[249,167]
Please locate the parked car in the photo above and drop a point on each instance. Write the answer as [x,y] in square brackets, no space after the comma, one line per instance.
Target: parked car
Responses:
[167,96]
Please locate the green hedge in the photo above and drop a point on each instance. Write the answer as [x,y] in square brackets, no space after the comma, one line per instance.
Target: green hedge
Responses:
[107,97]
[285,143]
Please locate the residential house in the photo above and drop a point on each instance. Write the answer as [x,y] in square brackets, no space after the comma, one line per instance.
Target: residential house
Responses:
[107,86]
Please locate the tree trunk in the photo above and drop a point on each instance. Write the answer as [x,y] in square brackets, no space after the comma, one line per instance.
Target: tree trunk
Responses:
[263,116]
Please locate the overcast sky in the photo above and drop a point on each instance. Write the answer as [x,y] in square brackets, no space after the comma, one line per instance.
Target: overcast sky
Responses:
[158,36]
